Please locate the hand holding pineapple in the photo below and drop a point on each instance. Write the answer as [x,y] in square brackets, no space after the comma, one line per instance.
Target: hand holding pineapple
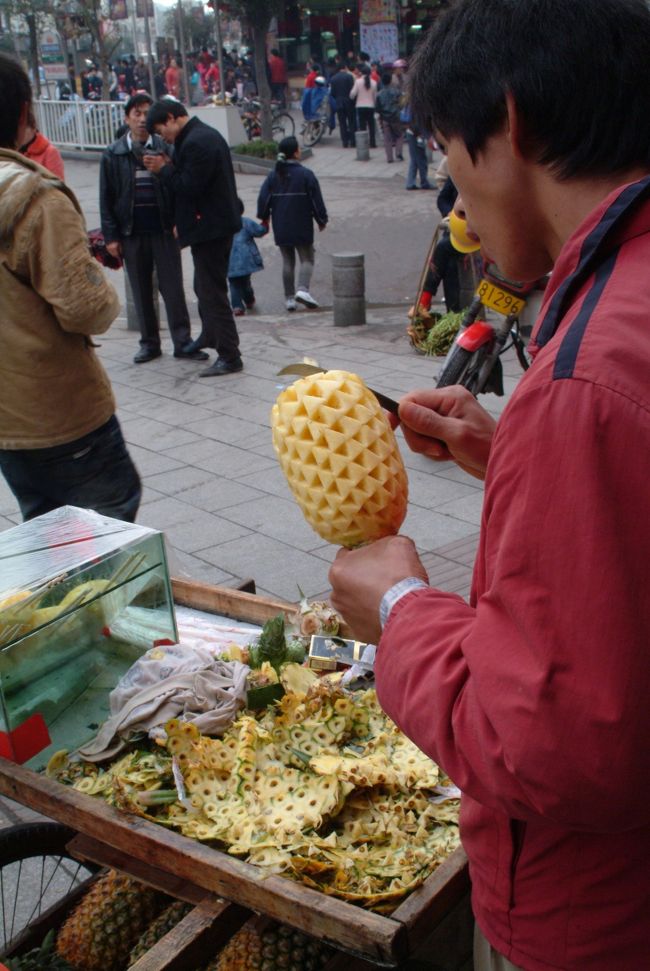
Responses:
[339,454]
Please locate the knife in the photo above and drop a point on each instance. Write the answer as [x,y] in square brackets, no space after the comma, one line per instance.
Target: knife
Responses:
[304,370]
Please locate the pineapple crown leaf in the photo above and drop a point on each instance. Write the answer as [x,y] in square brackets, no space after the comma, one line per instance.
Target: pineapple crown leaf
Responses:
[272,644]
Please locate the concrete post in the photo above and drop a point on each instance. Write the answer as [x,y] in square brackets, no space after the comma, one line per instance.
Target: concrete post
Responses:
[362,143]
[131,315]
[349,288]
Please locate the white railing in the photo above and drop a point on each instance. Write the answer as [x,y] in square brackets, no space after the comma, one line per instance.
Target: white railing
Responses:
[79,124]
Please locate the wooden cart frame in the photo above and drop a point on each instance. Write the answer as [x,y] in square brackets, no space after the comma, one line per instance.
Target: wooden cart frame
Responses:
[208,878]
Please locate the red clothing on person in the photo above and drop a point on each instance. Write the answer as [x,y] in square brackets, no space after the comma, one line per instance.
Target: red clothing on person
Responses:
[534,696]
[41,150]
[310,80]
[278,70]
[212,77]
[172,80]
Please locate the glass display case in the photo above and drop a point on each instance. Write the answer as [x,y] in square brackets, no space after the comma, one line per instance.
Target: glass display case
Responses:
[82,597]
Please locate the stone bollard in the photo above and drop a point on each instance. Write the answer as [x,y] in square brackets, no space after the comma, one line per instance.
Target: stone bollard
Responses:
[349,288]
[131,315]
[362,142]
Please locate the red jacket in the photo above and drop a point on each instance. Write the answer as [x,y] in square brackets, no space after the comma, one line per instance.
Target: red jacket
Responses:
[535,697]
[41,150]
[278,69]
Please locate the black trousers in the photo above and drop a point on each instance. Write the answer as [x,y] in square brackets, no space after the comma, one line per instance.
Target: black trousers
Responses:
[141,254]
[366,119]
[218,328]
[346,120]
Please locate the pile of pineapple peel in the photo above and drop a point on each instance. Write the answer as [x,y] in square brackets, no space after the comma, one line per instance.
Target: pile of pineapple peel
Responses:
[321,787]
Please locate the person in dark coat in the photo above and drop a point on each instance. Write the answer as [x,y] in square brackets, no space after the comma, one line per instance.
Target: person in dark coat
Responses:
[138,222]
[202,182]
[290,196]
[340,86]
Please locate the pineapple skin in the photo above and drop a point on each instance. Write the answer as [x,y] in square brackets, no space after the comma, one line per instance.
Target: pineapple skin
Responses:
[275,947]
[106,924]
[157,929]
[340,457]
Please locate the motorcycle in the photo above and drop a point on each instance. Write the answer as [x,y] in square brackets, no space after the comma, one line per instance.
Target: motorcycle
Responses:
[474,358]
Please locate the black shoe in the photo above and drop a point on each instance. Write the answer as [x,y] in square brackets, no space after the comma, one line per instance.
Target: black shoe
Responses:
[196,345]
[146,354]
[188,353]
[223,367]
[411,187]
[400,158]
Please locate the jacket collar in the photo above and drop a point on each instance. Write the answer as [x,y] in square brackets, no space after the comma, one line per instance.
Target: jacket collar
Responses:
[619,217]
[190,126]
[22,181]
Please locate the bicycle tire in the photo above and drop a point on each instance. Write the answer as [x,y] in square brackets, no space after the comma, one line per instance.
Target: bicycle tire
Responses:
[456,368]
[283,125]
[313,132]
[36,872]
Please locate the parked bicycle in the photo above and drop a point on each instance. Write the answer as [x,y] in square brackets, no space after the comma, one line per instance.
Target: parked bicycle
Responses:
[316,110]
[282,124]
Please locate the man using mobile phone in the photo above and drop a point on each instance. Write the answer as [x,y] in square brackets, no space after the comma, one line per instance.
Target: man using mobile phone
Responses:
[202,182]
[138,224]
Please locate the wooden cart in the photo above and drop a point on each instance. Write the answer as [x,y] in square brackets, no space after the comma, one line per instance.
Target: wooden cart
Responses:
[431,926]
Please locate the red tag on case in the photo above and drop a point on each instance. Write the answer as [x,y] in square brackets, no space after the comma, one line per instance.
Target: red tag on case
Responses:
[26,741]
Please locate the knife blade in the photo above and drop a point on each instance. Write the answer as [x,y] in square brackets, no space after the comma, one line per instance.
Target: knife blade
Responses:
[304,369]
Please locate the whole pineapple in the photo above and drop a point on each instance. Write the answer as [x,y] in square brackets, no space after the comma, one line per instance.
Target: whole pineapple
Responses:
[157,929]
[340,457]
[275,946]
[106,924]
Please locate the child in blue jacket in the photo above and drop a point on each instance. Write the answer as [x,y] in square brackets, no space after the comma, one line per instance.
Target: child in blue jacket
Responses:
[245,258]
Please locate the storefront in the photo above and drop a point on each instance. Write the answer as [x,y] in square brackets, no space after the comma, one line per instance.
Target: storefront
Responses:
[387,29]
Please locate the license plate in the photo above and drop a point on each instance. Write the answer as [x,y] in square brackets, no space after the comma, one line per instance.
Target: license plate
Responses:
[500,300]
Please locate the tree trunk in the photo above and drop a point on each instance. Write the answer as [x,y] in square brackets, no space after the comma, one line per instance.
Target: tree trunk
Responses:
[33,53]
[263,87]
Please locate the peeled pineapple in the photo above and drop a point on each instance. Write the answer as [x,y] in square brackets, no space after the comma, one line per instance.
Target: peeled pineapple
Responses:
[339,454]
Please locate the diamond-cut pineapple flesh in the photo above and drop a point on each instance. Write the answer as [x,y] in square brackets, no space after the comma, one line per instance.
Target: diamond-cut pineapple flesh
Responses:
[340,457]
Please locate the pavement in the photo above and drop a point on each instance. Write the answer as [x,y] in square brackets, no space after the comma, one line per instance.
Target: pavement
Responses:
[203,447]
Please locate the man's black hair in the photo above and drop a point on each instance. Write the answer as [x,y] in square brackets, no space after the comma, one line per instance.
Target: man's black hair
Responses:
[15,93]
[160,110]
[576,70]
[275,52]
[140,98]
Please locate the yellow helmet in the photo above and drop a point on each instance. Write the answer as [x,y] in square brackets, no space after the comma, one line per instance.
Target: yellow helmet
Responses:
[460,239]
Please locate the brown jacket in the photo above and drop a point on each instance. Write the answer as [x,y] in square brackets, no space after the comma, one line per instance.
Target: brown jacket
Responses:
[53,296]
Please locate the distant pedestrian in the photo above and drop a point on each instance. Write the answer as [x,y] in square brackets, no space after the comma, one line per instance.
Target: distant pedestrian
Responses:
[417,145]
[245,258]
[202,182]
[279,77]
[138,222]
[291,197]
[173,79]
[388,109]
[340,87]
[364,95]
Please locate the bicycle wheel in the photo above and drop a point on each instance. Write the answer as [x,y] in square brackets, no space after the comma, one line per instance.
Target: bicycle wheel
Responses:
[313,132]
[458,369]
[283,125]
[36,872]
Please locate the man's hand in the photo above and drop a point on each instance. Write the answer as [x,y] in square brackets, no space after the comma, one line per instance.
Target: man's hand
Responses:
[448,423]
[115,249]
[154,163]
[321,227]
[361,577]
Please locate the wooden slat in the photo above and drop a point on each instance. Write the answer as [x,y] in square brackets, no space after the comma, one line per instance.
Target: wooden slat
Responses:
[379,939]
[231,603]
[427,905]
[86,848]
[195,939]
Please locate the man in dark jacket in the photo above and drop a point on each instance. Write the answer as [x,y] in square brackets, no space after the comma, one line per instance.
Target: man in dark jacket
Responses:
[137,223]
[340,86]
[202,181]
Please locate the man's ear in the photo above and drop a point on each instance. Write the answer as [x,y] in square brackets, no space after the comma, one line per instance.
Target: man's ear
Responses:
[516,134]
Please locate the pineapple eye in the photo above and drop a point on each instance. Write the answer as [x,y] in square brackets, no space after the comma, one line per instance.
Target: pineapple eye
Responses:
[312,802]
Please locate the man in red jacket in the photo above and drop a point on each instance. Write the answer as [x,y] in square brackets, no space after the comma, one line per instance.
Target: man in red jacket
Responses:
[534,696]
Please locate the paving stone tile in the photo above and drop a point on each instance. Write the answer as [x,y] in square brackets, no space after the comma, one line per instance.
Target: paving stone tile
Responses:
[429,530]
[188,566]
[430,490]
[225,428]
[186,528]
[275,566]
[271,480]
[150,463]
[155,435]
[276,517]
[222,459]
[467,508]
